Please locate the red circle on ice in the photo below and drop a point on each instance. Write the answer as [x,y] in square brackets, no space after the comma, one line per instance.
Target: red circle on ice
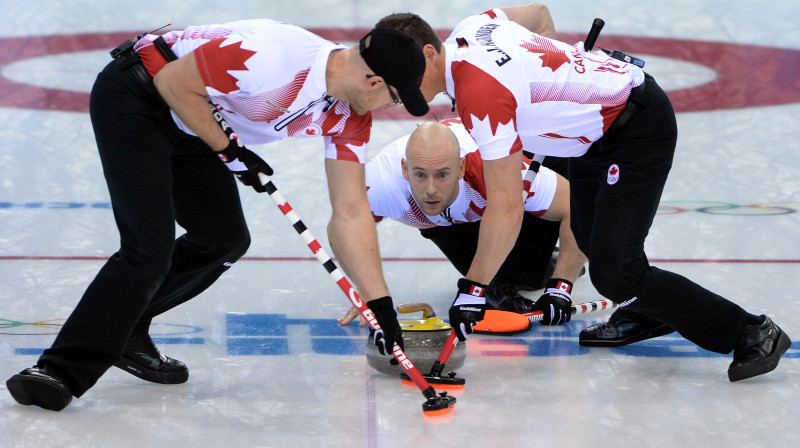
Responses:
[770,78]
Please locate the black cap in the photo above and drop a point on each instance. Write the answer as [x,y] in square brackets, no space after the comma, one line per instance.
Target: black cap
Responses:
[397,58]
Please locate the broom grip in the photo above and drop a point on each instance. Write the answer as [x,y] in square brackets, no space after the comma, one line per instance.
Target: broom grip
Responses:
[594,32]
[581,308]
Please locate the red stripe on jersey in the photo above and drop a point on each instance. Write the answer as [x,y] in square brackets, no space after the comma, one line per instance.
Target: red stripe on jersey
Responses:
[475,212]
[473,175]
[480,95]
[414,216]
[451,121]
[490,13]
[216,61]
[345,153]
[581,139]
[610,114]
[270,105]
[152,59]
[473,172]
[355,133]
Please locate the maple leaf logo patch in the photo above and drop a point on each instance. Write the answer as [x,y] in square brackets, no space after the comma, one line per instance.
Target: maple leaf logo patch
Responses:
[551,58]
[613,174]
[312,130]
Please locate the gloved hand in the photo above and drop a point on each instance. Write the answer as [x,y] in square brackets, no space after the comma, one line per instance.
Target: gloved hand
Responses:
[556,302]
[468,307]
[245,164]
[390,331]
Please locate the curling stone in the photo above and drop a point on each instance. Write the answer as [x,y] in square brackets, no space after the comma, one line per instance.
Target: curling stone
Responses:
[423,339]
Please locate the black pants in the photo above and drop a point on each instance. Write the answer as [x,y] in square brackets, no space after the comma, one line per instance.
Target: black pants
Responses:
[611,220]
[157,175]
[528,260]
[526,263]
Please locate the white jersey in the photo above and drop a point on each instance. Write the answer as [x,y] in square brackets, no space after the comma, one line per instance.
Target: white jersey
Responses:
[390,195]
[515,89]
[267,78]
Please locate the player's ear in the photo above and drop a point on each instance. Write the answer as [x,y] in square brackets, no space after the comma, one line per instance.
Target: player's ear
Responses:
[372,81]
[430,53]
[404,164]
[461,167]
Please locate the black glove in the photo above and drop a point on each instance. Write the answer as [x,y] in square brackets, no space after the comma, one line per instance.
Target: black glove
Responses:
[468,307]
[556,302]
[245,164]
[390,331]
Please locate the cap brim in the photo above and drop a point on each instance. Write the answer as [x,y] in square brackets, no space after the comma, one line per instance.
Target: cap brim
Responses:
[414,101]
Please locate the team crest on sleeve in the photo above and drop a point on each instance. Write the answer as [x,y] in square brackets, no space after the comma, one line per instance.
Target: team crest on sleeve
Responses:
[613,174]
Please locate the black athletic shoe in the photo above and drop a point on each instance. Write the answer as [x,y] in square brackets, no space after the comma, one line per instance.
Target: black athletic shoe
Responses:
[142,359]
[502,295]
[37,386]
[623,327]
[758,350]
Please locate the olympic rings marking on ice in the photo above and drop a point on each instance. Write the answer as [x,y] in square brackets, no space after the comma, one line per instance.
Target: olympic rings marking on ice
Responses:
[5,323]
[729,208]
[48,325]
[53,326]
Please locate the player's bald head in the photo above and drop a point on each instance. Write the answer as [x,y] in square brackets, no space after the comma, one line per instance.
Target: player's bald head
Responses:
[432,141]
[433,167]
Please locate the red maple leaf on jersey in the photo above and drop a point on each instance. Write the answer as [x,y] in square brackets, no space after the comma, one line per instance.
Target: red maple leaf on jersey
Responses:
[551,58]
[216,61]
[613,170]
[332,120]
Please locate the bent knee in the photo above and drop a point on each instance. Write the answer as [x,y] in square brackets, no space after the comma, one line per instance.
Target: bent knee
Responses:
[617,281]
[236,244]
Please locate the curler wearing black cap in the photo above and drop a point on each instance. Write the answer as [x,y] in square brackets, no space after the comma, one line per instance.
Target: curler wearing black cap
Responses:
[397,58]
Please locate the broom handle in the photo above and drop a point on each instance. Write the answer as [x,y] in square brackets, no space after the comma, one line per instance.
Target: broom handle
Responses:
[594,32]
[444,356]
[581,308]
[427,390]
[533,316]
